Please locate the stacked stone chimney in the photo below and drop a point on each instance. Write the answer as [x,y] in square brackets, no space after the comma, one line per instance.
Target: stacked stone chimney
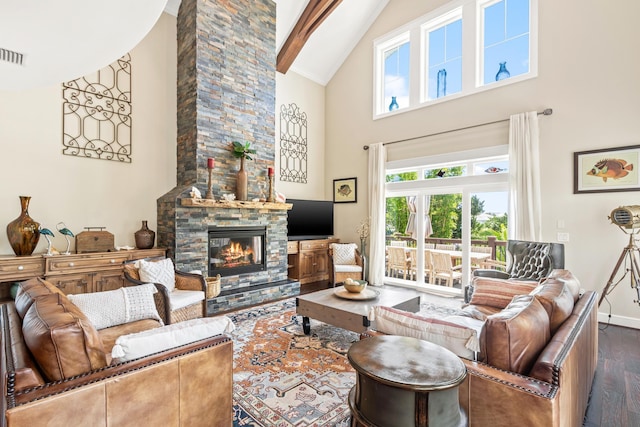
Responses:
[226,92]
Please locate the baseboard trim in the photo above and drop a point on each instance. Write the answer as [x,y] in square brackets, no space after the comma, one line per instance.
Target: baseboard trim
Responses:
[628,322]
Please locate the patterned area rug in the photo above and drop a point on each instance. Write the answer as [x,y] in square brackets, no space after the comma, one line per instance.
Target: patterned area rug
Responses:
[282,377]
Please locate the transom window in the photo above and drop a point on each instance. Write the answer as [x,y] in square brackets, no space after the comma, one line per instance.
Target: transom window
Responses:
[461,48]
[444,54]
[395,69]
[505,39]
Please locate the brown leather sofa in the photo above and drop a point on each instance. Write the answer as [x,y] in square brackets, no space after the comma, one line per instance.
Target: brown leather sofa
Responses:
[536,368]
[66,377]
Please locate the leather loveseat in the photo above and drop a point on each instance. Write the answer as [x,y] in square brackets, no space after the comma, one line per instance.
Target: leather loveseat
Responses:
[537,356]
[57,370]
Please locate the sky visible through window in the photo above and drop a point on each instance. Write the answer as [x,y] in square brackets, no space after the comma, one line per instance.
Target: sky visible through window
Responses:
[396,76]
[445,60]
[506,38]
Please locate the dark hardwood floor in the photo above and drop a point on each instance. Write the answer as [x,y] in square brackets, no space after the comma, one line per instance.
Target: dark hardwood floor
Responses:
[615,394]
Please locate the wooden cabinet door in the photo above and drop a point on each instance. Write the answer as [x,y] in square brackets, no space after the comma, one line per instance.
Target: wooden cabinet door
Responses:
[322,263]
[108,280]
[72,283]
[307,264]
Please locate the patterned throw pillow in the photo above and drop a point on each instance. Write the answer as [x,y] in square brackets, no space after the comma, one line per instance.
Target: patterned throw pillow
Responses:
[124,305]
[498,292]
[455,333]
[344,253]
[161,272]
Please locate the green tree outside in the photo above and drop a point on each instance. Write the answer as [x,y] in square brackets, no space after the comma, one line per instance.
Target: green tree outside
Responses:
[445,211]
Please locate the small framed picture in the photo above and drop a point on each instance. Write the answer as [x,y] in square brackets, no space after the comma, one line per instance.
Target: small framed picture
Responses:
[606,170]
[345,190]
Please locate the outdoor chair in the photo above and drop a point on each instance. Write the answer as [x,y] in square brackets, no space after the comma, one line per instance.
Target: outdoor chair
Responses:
[442,268]
[397,261]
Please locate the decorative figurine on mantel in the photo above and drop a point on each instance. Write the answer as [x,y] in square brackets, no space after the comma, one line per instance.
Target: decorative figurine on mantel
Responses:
[195,193]
[66,233]
[242,151]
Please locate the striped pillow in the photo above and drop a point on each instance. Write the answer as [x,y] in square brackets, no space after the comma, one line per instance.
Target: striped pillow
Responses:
[498,293]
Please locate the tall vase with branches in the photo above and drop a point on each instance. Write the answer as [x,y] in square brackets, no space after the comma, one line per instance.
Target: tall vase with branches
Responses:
[363,232]
[242,151]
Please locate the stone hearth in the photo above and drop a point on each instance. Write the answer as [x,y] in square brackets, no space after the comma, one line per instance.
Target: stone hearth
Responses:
[225,92]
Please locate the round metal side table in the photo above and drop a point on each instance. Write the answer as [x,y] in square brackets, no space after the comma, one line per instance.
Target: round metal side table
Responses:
[405,382]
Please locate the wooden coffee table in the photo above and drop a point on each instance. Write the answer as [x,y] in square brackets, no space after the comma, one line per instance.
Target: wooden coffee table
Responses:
[352,315]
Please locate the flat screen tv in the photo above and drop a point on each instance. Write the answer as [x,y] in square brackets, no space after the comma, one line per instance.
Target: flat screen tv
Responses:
[309,219]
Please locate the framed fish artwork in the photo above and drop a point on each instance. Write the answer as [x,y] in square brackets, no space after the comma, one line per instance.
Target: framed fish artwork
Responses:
[345,190]
[606,170]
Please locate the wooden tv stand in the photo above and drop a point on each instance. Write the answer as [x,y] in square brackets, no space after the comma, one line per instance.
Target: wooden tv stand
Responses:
[308,260]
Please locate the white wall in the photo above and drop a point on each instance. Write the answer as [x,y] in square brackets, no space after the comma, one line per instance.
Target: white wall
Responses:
[292,88]
[588,74]
[87,192]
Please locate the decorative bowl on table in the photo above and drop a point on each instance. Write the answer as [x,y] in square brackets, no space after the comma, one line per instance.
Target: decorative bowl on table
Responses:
[355,286]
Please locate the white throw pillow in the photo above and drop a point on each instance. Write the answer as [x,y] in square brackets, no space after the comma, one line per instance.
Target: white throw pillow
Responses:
[140,344]
[458,334]
[161,272]
[344,253]
[124,305]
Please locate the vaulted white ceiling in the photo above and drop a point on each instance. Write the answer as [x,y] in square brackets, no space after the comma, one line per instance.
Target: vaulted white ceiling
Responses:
[329,46]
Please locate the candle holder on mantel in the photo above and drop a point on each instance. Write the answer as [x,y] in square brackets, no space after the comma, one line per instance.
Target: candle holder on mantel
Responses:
[209,195]
[271,198]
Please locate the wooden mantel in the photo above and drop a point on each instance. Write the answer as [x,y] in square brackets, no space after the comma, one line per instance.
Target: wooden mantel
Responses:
[234,204]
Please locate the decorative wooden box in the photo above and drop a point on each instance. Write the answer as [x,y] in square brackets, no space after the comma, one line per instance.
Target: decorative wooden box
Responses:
[94,241]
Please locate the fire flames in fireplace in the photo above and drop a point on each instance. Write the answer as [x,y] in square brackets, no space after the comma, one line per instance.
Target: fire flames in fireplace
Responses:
[236,250]
[235,254]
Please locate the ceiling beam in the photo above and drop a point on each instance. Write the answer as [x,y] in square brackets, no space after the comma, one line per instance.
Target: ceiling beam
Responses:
[313,15]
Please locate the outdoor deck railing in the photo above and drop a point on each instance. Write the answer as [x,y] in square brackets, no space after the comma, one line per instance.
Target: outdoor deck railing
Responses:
[498,247]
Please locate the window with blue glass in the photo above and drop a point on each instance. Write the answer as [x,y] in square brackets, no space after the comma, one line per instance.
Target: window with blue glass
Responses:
[505,39]
[444,53]
[396,77]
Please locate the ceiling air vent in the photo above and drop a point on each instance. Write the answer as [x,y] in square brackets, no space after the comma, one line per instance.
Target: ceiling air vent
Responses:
[7,55]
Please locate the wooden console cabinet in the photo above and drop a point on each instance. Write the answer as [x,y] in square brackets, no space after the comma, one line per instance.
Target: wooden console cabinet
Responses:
[309,260]
[75,273]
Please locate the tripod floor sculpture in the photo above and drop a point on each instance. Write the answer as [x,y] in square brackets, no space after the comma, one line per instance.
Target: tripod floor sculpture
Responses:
[628,257]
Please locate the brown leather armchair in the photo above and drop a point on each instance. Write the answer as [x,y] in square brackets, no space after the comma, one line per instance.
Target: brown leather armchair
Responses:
[526,261]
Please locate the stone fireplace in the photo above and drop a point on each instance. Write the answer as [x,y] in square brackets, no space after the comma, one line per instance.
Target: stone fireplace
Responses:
[226,92]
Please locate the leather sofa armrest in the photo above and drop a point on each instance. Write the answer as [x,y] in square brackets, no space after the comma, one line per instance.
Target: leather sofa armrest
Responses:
[511,380]
[123,368]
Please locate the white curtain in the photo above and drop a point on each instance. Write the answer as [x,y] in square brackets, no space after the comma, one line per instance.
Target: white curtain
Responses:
[377,160]
[412,228]
[525,210]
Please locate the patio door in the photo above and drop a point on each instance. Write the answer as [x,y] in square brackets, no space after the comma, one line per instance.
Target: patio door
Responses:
[453,209]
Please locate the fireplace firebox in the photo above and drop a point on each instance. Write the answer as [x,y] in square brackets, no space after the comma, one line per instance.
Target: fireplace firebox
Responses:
[236,250]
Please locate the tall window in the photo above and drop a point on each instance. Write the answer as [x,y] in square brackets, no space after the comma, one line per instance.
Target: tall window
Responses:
[505,39]
[395,64]
[444,55]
